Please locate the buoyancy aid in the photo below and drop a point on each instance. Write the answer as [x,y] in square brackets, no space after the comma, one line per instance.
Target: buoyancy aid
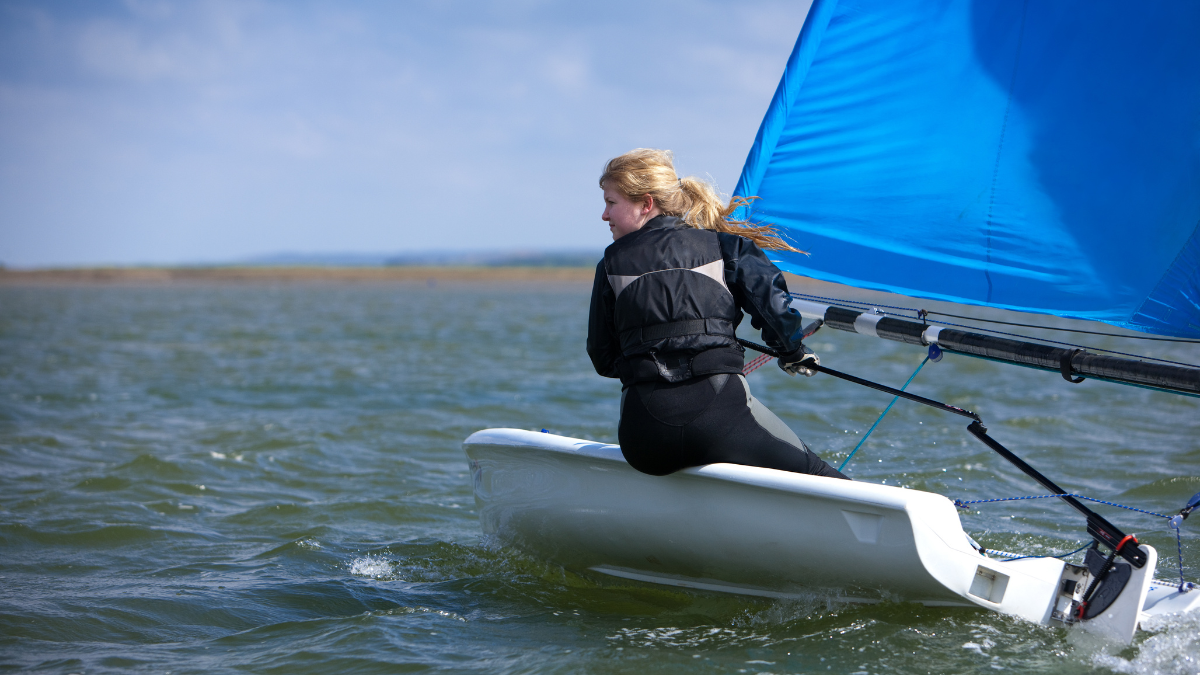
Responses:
[673,314]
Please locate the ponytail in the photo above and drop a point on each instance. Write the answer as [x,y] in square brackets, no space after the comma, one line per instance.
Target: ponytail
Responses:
[645,173]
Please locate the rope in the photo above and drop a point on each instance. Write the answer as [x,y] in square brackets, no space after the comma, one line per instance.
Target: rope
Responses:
[756,363]
[1173,521]
[885,411]
[1016,556]
[845,301]
[962,505]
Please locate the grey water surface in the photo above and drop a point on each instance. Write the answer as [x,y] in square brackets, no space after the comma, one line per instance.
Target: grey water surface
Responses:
[269,478]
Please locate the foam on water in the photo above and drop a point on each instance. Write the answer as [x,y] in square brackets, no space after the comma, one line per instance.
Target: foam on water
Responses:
[1173,649]
[373,566]
[687,638]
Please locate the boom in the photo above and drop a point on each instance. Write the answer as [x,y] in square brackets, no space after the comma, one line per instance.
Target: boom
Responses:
[1070,362]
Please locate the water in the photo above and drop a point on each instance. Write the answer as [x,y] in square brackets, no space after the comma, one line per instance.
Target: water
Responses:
[269,479]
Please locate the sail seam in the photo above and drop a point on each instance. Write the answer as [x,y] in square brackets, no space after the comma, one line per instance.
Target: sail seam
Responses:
[1171,269]
[1012,84]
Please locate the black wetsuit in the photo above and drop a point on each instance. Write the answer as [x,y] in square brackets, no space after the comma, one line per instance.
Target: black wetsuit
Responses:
[665,303]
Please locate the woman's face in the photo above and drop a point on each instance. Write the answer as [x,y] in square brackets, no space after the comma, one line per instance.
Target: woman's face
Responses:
[624,216]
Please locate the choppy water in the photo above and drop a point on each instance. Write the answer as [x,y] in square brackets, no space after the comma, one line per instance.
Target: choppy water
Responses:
[269,479]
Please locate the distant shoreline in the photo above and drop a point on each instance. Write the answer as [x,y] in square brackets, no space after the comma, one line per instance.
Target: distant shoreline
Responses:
[428,275]
[573,278]
[257,274]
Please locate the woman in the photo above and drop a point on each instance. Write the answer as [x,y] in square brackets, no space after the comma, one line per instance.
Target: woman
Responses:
[667,298]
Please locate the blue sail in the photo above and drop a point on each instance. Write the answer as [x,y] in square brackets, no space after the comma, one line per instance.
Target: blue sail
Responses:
[1041,156]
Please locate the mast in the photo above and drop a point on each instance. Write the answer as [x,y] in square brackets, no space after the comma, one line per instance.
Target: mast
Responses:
[1073,364]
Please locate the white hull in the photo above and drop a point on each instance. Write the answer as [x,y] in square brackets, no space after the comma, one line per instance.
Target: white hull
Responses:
[763,532]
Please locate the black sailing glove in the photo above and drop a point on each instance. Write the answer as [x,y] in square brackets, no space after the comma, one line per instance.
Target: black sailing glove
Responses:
[799,362]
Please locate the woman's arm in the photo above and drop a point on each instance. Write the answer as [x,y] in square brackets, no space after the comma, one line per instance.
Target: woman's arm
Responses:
[602,344]
[760,290]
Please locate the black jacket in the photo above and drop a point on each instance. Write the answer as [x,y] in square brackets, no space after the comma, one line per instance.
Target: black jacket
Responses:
[668,297]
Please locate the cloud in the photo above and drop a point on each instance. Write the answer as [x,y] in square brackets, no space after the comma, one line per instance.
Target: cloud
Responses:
[211,130]
[115,51]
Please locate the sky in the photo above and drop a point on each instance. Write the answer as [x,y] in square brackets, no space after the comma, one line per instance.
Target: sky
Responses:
[148,132]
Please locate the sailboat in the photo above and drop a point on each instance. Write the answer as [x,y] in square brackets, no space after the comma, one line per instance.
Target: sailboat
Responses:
[1027,156]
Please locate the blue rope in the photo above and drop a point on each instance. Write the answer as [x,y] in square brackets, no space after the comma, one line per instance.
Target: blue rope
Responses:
[1175,522]
[962,505]
[1172,520]
[885,411]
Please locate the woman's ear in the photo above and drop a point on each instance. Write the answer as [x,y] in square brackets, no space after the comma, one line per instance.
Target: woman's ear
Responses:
[648,205]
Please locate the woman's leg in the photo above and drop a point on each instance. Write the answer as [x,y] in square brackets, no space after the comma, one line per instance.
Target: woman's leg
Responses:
[739,430]
[653,418]
[667,427]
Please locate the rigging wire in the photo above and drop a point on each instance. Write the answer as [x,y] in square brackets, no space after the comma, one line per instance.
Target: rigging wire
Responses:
[917,314]
[1071,344]
[856,304]
[1068,330]
[885,412]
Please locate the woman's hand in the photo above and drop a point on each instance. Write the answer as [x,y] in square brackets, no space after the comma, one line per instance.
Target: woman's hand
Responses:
[799,362]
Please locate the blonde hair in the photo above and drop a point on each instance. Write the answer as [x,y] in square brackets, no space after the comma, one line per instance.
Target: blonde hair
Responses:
[645,172]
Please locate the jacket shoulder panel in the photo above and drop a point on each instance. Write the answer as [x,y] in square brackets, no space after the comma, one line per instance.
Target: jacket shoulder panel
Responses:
[661,249]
